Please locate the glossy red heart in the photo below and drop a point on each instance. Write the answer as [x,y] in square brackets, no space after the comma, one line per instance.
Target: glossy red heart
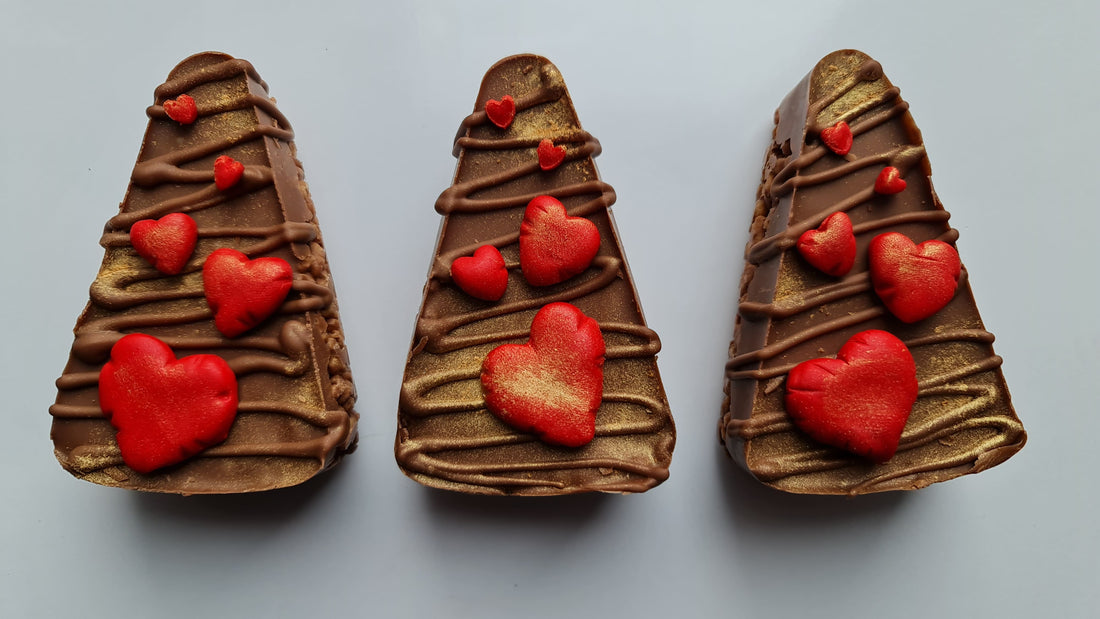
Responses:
[243,292]
[182,109]
[167,243]
[501,112]
[227,171]
[552,385]
[552,245]
[165,409]
[860,401]
[483,275]
[838,138]
[913,281]
[831,248]
[550,156]
[889,181]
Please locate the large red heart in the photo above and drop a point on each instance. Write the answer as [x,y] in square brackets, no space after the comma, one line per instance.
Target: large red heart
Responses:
[913,281]
[838,138]
[832,247]
[550,156]
[859,401]
[552,245]
[243,292]
[483,275]
[501,112]
[552,385]
[167,243]
[165,410]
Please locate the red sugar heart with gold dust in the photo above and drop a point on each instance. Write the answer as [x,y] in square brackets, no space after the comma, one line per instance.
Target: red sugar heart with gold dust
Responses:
[167,243]
[913,281]
[243,292]
[550,156]
[889,181]
[831,248]
[227,171]
[554,246]
[483,275]
[838,138]
[182,109]
[501,113]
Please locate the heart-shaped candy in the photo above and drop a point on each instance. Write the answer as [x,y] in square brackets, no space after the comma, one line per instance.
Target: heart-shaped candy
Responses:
[550,156]
[227,171]
[243,292]
[889,181]
[838,138]
[831,248]
[552,385]
[483,275]
[913,281]
[165,409]
[860,401]
[167,243]
[552,245]
[182,109]
[501,112]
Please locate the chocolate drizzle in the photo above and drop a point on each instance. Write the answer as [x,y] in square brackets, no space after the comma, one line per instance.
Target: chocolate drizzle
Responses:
[963,421]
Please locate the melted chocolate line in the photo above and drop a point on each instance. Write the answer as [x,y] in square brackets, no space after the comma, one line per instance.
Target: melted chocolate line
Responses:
[211,109]
[316,418]
[776,348]
[574,137]
[438,464]
[458,198]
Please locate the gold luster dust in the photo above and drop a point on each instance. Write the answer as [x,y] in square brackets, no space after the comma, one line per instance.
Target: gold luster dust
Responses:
[540,385]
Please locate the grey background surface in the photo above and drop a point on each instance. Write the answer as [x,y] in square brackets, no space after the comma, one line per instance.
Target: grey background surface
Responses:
[682,100]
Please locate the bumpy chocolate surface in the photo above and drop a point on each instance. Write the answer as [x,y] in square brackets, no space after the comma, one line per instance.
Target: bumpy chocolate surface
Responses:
[446,437]
[295,416]
[963,421]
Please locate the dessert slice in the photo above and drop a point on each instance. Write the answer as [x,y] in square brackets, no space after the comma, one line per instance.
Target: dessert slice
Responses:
[532,370]
[210,358]
[847,161]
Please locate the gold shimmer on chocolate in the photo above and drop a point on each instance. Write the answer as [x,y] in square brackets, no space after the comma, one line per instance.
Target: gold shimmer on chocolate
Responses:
[963,421]
[295,417]
[446,437]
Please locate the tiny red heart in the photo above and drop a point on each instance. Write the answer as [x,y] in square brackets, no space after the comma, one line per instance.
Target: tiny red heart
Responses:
[227,171]
[242,292]
[554,246]
[550,156]
[182,109]
[860,401]
[831,248]
[167,243]
[838,138]
[889,181]
[165,409]
[913,281]
[483,275]
[552,385]
[501,112]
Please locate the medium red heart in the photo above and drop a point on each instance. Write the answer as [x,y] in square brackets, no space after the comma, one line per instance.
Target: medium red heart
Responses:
[182,109]
[483,275]
[552,385]
[227,171]
[165,409]
[913,281]
[838,138]
[889,181]
[831,248]
[552,245]
[167,243]
[243,292]
[860,401]
[501,112]
[550,156]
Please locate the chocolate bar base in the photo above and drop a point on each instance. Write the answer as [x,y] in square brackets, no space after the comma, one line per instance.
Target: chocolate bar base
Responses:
[963,421]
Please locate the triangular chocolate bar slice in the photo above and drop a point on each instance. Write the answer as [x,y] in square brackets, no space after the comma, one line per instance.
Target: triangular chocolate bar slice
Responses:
[210,358]
[528,263]
[844,142]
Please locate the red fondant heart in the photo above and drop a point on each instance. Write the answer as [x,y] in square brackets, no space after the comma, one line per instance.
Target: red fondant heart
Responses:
[859,401]
[182,109]
[913,281]
[167,243]
[483,275]
[227,171]
[550,156]
[501,112]
[552,385]
[889,181]
[243,292]
[552,245]
[165,410]
[832,247]
[838,138]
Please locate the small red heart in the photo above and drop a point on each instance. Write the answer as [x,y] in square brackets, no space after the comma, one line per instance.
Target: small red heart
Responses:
[913,281]
[553,384]
[832,247]
[552,245]
[483,275]
[165,409]
[167,243]
[501,112]
[243,292]
[889,181]
[838,138]
[182,109]
[227,171]
[550,156]
[860,401]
